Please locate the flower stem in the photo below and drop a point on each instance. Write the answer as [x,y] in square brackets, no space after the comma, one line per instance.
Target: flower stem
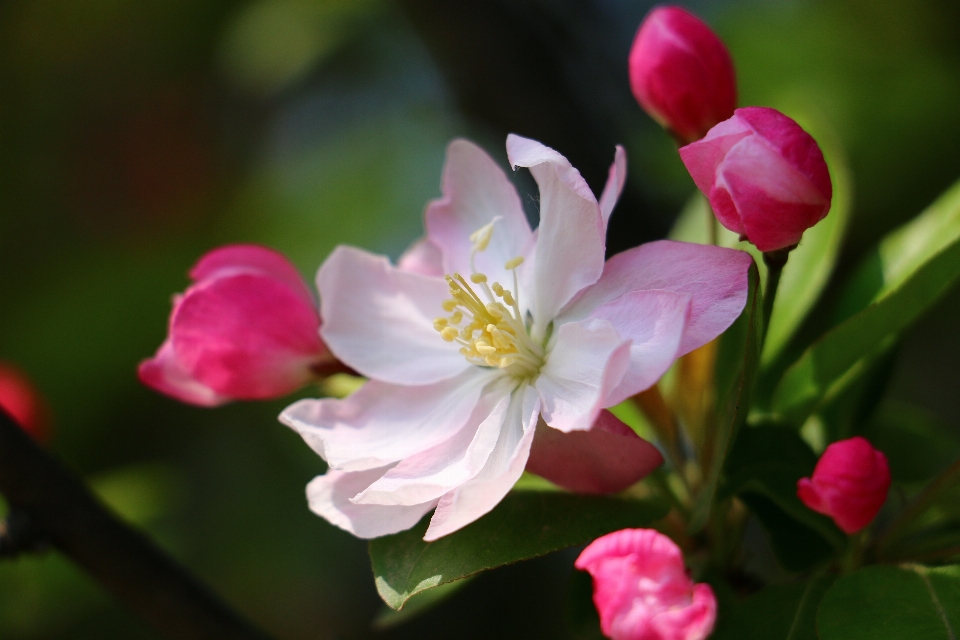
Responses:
[775,261]
[653,405]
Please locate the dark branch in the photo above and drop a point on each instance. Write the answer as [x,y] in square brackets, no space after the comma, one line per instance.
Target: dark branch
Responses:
[48,502]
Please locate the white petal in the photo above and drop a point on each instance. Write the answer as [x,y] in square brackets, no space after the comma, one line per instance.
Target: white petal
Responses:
[570,244]
[585,365]
[432,473]
[379,320]
[616,178]
[329,497]
[475,192]
[422,257]
[715,278]
[654,322]
[382,423]
[477,497]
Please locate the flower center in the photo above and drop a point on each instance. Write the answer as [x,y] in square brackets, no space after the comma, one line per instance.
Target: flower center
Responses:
[491,333]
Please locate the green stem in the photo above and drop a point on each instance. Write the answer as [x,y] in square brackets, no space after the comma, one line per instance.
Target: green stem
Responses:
[919,505]
[775,261]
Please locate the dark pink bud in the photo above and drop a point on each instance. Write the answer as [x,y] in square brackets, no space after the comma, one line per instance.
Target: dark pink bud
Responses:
[642,591]
[681,73]
[849,484]
[247,329]
[765,177]
[20,399]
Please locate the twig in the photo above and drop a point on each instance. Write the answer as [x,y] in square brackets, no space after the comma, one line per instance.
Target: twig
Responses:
[62,510]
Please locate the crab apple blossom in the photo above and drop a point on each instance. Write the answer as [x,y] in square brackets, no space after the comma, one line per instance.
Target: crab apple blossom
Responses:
[642,591]
[488,333]
[681,73]
[247,329]
[22,402]
[765,177]
[849,484]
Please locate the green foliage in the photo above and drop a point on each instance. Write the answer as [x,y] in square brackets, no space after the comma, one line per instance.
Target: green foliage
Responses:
[525,524]
[780,612]
[737,360]
[425,601]
[893,603]
[909,272]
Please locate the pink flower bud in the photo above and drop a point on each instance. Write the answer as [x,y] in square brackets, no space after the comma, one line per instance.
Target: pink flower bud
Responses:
[642,590]
[764,175]
[849,484]
[247,329]
[20,399]
[681,73]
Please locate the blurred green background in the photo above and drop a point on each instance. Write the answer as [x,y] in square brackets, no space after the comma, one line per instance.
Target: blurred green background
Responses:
[137,134]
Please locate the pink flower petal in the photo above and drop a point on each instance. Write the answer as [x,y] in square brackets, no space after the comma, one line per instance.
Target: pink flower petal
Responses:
[21,401]
[382,423]
[475,191]
[430,474]
[585,366]
[246,335]
[570,242]
[654,321]
[329,497]
[250,257]
[608,458]
[164,373]
[504,467]
[422,258]
[715,279]
[378,319]
[616,178]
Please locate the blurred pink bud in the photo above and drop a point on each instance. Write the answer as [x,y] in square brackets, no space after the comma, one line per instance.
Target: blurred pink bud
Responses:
[849,484]
[642,590]
[247,329]
[681,73]
[20,399]
[764,175]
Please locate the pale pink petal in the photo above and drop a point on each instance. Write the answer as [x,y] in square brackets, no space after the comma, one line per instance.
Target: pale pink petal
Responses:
[442,468]
[715,278]
[584,367]
[475,192]
[570,243]
[616,178]
[247,335]
[423,258]
[504,467]
[250,257]
[608,458]
[382,423]
[654,322]
[164,373]
[378,319]
[329,497]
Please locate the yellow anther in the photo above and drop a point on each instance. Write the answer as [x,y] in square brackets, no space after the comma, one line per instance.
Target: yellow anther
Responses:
[440,323]
[449,305]
[493,361]
[449,334]
[498,289]
[494,310]
[483,348]
[506,361]
[481,237]
[514,263]
[456,318]
[508,298]
[478,278]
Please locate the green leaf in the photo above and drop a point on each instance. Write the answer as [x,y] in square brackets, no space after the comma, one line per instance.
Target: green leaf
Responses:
[387,618]
[781,612]
[917,444]
[893,603]
[525,524]
[810,265]
[737,359]
[912,268]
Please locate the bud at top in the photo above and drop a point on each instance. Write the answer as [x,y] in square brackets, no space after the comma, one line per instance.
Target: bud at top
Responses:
[247,329]
[681,73]
[849,484]
[21,401]
[642,591]
[765,177]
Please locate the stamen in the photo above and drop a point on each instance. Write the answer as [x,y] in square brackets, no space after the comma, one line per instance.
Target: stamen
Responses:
[478,278]
[514,263]
[449,334]
[481,237]
[449,305]
[440,323]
